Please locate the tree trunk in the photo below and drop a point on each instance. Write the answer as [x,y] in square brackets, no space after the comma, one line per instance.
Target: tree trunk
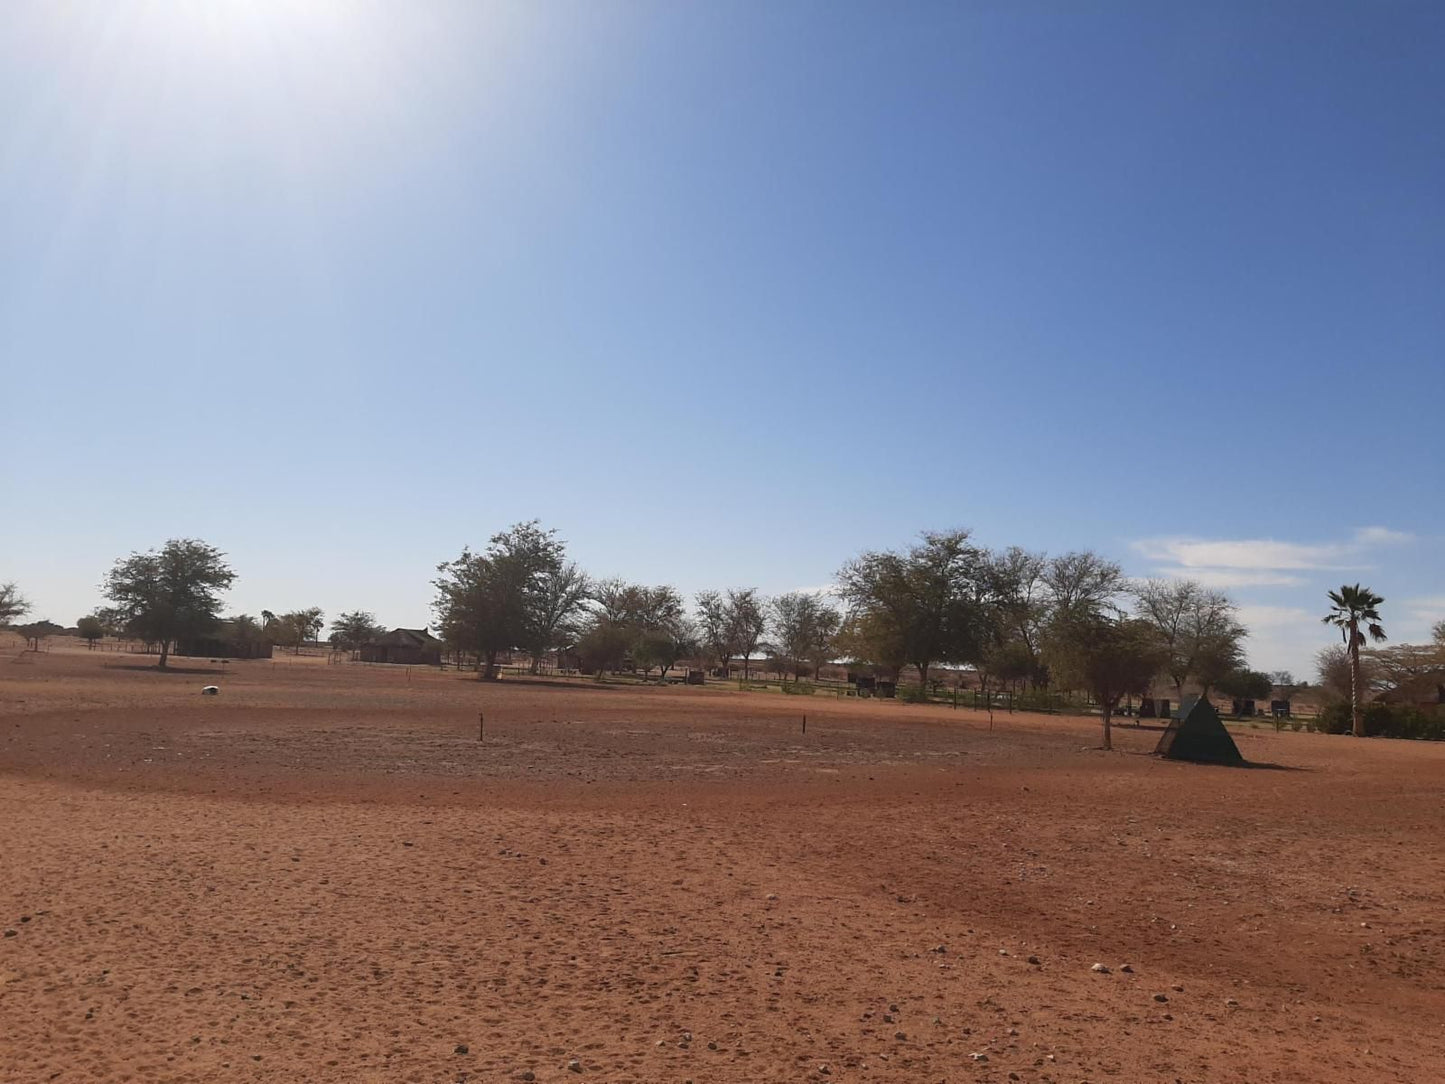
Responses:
[1357,727]
[922,677]
[1108,718]
[489,670]
[536,664]
[165,652]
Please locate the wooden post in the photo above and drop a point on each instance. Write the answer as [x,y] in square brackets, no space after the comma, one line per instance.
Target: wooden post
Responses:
[805,724]
[481,726]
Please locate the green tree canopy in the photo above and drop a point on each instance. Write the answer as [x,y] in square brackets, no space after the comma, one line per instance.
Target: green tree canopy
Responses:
[36,631]
[929,600]
[90,628]
[487,602]
[350,630]
[1243,684]
[162,596]
[1108,656]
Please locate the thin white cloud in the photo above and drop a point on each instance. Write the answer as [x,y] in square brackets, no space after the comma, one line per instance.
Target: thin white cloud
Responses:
[1230,577]
[1248,553]
[1427,608]
[1273,617]
[1262,562]
[1381,536]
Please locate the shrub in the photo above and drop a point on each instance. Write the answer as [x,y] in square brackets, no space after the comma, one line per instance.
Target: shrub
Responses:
[913,694]
[1387,721]
[1335,719]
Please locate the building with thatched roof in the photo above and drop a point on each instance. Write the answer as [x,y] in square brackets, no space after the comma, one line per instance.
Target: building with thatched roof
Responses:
[409,647]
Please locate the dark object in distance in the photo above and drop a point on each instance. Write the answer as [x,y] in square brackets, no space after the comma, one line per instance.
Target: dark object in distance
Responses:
[1199,737]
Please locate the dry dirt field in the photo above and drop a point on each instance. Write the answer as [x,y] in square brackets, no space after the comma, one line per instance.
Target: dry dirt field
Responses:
[322,875]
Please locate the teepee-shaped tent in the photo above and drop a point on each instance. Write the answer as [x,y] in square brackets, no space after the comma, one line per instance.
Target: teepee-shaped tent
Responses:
[1199,736]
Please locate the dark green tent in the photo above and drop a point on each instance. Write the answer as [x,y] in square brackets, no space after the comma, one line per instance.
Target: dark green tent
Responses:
[1199,736]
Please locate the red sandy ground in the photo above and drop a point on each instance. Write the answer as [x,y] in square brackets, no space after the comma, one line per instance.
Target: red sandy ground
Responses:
[322,875]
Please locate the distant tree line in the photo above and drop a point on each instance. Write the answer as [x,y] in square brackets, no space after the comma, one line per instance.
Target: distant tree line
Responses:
[1017,618]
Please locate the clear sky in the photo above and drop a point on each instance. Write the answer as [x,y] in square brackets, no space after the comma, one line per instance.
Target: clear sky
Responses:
[725,292]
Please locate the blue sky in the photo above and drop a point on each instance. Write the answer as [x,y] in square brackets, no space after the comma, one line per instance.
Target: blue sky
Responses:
[725,292]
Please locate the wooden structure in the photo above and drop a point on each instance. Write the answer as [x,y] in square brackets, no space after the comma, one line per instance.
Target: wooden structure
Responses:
[219,647]
[409,647]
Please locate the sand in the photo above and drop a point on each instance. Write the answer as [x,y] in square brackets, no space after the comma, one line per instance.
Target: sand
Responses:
[322,875]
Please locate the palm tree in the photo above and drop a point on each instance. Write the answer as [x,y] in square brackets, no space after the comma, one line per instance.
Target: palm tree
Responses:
[1353,607]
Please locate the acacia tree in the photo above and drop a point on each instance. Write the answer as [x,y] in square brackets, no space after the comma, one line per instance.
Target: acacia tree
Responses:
[664,645]
[1082,585]
[732,623]
[868,639]
[930,599]
[713,630]
[37,631]
[298,626]
[12,603]
[630,619]
[1110,657]
[486,602]
[1350,609]
[804,626]
[166,595]
[350,630]
[1197,626]
[1243,684]
[558,602]
[747,619]
[1018,614]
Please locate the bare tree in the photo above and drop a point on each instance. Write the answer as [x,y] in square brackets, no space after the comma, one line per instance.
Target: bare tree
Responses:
[1197,627]
[1332,665]
[559,602]
[804,626]
[732,623]
[1082,585]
